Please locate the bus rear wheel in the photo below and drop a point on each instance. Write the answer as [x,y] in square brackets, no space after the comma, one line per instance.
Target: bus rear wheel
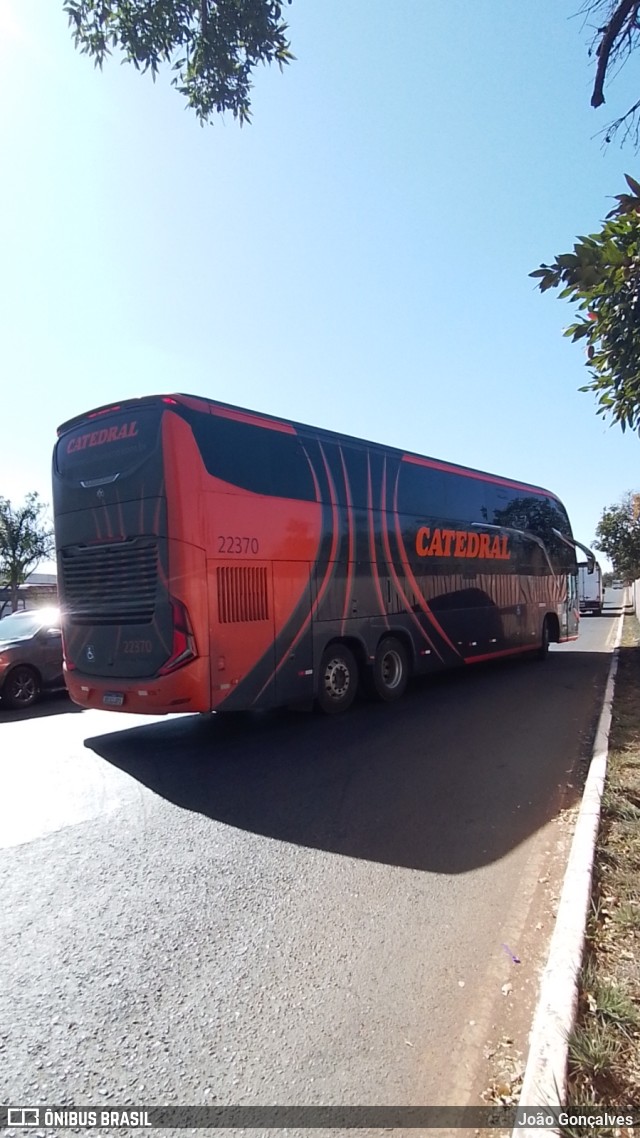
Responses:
[338,679]
[390,670]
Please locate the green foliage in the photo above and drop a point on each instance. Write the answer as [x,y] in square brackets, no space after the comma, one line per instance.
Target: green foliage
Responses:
[25,540]
[212,46]
[602,276]
[618,535]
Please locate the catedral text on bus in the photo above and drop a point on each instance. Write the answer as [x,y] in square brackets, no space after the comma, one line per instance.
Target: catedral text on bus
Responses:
[213,559]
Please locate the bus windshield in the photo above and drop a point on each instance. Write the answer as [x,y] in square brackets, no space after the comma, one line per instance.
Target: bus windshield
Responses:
[111,445]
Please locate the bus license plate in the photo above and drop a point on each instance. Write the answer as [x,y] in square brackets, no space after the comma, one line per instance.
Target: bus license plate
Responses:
[113,698]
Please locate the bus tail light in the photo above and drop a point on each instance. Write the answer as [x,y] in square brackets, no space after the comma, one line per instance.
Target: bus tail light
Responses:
[183,648]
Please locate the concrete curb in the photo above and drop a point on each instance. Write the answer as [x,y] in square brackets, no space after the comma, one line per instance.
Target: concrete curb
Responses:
[544,1082]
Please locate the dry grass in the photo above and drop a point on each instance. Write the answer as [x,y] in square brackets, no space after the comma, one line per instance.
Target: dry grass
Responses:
[604,1047]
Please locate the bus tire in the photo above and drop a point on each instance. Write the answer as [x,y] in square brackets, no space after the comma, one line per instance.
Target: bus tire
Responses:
[390,672]
[545,639]
[338,681]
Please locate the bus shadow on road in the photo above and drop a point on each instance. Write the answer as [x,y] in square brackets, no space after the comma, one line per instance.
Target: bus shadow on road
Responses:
[465,768]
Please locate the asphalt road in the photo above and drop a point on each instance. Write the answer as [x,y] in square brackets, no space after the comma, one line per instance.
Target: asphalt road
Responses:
[282,908]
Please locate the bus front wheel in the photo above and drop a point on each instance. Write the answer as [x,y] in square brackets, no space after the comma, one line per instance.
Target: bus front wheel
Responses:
[338,679]
[390,670]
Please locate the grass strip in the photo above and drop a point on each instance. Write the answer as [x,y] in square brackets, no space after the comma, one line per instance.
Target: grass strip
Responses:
[604,1046]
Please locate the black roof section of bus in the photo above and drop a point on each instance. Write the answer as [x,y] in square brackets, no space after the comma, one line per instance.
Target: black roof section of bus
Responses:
[333,436]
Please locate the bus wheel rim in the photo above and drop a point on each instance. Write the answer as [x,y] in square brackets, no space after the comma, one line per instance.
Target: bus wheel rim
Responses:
[337,679]
[391,669]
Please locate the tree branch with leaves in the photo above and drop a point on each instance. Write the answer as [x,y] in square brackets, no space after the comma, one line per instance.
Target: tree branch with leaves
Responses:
[602,276]
[212,46]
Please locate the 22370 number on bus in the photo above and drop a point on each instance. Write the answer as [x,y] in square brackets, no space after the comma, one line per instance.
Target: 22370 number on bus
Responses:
[232,543]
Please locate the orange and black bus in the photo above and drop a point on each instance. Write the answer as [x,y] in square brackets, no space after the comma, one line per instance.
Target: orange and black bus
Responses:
[213,558]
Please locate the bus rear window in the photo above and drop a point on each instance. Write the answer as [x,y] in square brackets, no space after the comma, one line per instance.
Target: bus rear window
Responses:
[108,445]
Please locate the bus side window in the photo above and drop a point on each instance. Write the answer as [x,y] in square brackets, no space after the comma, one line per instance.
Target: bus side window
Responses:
[422,492]
[258,459]
[466,498]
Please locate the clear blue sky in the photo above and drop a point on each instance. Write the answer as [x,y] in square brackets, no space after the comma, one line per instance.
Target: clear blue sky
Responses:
[358,258]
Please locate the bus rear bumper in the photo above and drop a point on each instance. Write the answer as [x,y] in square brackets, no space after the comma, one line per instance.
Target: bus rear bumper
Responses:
[186,690]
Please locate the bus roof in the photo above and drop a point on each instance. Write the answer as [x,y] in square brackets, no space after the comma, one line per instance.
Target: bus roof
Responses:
[255,418]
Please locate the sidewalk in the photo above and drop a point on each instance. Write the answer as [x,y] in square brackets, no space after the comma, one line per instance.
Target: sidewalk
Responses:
[585,1043]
